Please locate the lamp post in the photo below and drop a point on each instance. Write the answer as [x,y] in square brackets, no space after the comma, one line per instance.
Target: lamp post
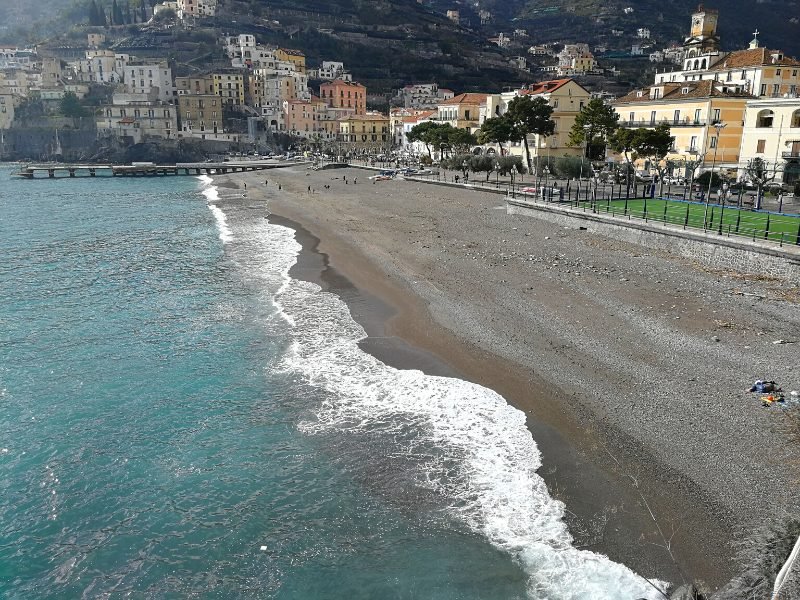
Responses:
[719,127]
[586,139]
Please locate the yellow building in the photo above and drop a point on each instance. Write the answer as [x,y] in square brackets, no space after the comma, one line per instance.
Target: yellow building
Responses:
[696,113]
[365,132]
[566,96]
[462,111]
[230,87]
[296,57]
[200,113]
[203,84]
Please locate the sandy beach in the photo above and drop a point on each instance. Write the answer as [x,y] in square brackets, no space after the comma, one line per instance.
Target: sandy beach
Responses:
[630,364]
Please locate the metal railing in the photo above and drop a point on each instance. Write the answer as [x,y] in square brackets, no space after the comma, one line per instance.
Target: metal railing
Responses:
[670,122]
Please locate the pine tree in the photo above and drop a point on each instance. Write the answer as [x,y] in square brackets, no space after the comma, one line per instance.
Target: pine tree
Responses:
[116,14]
[94,14]
[128,16]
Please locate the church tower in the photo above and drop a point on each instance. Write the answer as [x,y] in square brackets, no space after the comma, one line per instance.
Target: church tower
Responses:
[701,48]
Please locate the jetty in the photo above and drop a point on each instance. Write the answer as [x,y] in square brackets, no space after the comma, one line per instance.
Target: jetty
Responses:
[66,171]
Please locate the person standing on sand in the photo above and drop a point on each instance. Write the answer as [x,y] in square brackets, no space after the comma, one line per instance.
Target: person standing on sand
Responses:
[245,185]
[309,189]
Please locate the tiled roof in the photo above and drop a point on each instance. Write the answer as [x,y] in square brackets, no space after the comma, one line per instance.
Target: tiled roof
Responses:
[468,98]
[293,52]
[367,117]
[753,57]
[343,82]
[419,117]
[675,91]
[545,86]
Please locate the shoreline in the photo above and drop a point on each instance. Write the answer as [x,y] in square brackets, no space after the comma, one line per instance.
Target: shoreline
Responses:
[605,511]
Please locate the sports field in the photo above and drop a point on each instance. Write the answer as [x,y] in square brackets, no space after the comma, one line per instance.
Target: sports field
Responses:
[744,223]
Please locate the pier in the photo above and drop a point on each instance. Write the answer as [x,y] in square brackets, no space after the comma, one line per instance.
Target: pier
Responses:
[148,169]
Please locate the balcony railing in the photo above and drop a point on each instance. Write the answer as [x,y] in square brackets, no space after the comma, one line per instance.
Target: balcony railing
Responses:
[670,122]
[791,154]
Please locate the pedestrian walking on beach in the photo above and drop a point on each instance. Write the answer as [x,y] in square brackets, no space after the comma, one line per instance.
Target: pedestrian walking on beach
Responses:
[309,189]
[279,187]
[266,182]
[355,181]
[245,186]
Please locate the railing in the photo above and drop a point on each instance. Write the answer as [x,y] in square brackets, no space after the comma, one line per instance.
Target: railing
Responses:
[670,122]
[727,219]
[791,154]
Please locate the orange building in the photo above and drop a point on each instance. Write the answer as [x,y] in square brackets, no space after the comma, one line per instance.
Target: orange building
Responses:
[344,94]
[307,118]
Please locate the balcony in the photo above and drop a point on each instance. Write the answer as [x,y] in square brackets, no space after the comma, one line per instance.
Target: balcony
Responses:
[791,154]
[671,123]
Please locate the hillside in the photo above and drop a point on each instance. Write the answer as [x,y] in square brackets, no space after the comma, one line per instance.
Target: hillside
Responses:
[592,20]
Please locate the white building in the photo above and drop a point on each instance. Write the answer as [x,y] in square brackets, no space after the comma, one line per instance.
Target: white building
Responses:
[643,33]
[772,133]
[197,8]
[147,78]
[422,95]
[331,70]
[139,121]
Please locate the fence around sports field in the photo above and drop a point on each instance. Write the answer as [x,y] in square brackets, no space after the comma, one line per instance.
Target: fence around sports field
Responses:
[720,219]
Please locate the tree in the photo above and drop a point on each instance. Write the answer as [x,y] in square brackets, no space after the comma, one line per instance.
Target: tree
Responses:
[623,142]
[425,133]
[759,172]
[482,164]
[498,130]
[654,144]
[594,126]
[71,107]
[95,16]
[461,139]
[531,115]
[116,14]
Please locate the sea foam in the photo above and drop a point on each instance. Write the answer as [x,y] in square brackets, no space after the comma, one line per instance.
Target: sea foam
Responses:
[484,470]
[211,192]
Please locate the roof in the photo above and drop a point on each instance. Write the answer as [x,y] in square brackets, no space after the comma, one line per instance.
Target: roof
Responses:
[753,57]
[419,117]
[342,82]
[366,117]
[675,91]
[544,87]
[468,98]
[127,120]
[292,51]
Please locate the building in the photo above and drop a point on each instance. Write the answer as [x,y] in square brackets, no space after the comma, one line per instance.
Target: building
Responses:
[148,77]
[307,119]
[692,110]
[295,57]
[422,95]
[202,85]
[566,96]
[100,66]
[575,59]
[200,115]
[8,103]
[759,71]
[136,122]
[454,16]
[345,94]
[643,33]
[772,133]
[462,111]
[365,132]
[196,8]
[230,87]
[331,70]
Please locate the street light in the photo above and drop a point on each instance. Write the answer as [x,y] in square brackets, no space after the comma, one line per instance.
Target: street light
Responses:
[719,127]
[586,138]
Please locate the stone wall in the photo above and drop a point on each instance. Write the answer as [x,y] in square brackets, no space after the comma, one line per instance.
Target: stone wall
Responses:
[718,252]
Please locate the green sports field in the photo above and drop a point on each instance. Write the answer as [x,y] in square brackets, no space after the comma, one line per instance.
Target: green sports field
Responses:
[735,222]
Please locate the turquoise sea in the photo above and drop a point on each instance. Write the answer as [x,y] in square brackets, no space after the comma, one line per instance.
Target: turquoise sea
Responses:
[180,418]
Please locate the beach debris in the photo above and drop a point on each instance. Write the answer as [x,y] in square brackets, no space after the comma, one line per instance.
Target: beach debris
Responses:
[714,338]
[783,342]
[263,548]
[764,387]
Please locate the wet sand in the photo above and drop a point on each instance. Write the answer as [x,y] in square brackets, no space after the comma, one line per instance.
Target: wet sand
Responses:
[419,268]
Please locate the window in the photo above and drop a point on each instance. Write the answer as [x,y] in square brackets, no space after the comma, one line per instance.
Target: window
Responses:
[778,73]
[653,118]
[693,144]
[717,115]
[631,117]
[713,142]
[730,76]
[677,116]
[776,89]
[697,114]
[760,146]
[765,118]
[763,89]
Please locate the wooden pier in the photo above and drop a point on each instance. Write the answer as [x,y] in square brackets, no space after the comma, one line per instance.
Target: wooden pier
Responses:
[148,169]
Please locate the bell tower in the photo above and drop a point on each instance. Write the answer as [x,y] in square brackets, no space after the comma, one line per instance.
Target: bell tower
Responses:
[701,48]
[704,23]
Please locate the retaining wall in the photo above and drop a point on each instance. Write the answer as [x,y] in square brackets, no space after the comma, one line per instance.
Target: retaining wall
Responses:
[710,249]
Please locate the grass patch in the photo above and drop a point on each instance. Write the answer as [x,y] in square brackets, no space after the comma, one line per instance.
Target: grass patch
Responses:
[743,223]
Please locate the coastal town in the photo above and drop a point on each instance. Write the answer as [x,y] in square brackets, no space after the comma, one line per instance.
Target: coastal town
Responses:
[400,298]
[733,112]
